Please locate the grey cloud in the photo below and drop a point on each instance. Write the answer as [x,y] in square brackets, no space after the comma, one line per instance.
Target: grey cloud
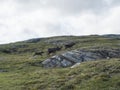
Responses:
[116,2]
[77,5]
[68,6]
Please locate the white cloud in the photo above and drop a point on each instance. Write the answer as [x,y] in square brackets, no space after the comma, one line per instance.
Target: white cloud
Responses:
[91,23]
[24,19]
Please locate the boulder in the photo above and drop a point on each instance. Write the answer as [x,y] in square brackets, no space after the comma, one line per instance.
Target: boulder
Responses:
[71,58]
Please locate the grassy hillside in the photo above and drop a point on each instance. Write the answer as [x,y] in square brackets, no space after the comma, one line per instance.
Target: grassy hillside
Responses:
[19,70]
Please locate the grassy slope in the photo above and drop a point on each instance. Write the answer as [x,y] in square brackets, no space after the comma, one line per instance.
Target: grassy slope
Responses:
[25,72]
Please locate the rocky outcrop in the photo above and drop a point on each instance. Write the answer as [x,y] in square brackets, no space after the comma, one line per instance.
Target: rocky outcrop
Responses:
[71,58]
[34,40]
[112,36]
[1,70]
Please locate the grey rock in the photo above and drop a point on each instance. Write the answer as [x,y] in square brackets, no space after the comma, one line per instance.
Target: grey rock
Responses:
[1,70]
[34,40]
[59,42]
[77,64]
[65,63]
[71,58]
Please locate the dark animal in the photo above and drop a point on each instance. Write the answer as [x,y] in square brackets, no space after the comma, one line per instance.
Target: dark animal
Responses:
[38,53]
[53,50]
[69,45]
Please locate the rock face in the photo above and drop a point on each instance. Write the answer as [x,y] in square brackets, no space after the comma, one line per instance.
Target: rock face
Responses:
[71,58]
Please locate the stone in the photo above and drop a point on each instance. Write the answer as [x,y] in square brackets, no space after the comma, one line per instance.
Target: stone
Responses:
[1,70]
[77,64]
[71,58]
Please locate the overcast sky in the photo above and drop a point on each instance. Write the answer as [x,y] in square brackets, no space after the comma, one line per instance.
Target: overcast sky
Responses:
[25,19]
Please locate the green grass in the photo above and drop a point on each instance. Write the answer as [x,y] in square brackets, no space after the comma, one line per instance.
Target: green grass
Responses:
[25,72]
[24,75]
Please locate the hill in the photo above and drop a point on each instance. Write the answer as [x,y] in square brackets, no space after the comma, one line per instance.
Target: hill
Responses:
[21,64]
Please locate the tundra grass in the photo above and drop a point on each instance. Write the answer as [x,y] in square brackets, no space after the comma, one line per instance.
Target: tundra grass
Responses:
[22,73]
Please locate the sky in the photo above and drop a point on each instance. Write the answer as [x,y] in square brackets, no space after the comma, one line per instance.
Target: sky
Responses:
[26,19]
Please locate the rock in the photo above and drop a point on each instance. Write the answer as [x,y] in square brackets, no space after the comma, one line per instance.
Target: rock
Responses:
[59,42]
[69,45]
[77,64]
[34,40]
[112,36]
[1,70]
[75,57]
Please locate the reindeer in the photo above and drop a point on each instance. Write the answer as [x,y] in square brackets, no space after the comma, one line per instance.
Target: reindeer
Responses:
[53,50]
